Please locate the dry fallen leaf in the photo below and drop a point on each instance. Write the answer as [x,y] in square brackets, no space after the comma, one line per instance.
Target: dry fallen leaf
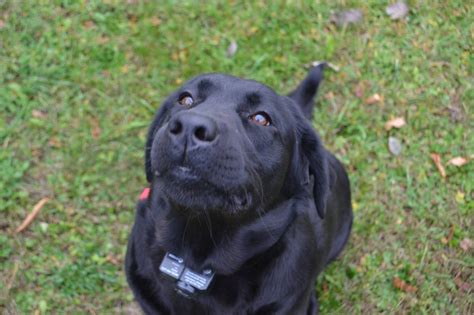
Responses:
[437,161]
[114,260]
[402,285]
[232,49]
[333,66]
[325,286]
[155,21]
[397,10]
[397,122]
[37,153]
[101,40]
[376,98]
[38,114]
[363,259]
[124,69]
[457,161]
[464,286]
[132,19]
[96,131]
[451,233]
[89,24]
[466,244]
[329,96]
[459,197]
[347,17]
[55,142]
[394,146]
[328,64]
[359,89]
[2,24]
[32,215]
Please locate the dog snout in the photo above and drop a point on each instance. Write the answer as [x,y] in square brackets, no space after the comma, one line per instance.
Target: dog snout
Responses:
[192,130]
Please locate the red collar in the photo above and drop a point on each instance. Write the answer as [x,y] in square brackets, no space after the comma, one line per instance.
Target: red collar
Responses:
[145,193]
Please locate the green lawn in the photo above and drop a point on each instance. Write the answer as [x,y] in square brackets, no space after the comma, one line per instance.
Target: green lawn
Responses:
[81,80]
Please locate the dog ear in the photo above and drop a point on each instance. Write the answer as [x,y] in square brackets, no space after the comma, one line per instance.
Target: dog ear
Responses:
[304,94]
[317,161]
[156,124]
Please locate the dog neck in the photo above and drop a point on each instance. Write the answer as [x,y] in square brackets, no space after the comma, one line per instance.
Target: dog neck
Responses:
[211,241]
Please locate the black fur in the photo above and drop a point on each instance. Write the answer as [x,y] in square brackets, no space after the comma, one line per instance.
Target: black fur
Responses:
[265,207]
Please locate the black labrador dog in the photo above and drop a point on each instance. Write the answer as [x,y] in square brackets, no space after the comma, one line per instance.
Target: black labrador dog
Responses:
[245,206]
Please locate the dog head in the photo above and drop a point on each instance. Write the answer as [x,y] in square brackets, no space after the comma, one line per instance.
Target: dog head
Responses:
[230,145]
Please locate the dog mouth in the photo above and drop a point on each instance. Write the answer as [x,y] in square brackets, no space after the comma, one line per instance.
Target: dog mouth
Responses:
[185,173]
[179,174]
[185,186]
[241,202]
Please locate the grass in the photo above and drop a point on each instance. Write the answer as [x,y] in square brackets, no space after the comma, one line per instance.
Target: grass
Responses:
[80,81]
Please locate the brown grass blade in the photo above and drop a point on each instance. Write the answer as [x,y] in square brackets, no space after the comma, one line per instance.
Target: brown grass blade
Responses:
[32,215]
[437,161]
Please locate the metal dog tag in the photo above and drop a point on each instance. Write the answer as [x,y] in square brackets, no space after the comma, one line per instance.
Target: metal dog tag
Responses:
[199,281]
[185,289]
[188,280]
[172,265]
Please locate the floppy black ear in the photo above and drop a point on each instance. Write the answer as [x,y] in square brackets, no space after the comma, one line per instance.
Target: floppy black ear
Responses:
[157,122]
[304,94]
[316,156]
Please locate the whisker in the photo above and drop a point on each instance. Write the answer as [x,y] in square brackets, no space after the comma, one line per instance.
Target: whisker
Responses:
[209,227]
[185,229]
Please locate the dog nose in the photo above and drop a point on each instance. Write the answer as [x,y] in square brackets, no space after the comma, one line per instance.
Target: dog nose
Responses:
[193,129]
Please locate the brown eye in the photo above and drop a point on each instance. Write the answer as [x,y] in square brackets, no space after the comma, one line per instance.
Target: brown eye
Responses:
[261,119]
[186,99]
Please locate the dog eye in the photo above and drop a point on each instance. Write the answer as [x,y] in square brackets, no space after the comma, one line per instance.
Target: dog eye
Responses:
[261,118]
[186,99]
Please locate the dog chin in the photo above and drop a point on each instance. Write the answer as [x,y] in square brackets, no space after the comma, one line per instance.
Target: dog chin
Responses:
[197,195]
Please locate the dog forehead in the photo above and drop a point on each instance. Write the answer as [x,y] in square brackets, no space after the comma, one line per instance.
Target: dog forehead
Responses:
[231,88]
